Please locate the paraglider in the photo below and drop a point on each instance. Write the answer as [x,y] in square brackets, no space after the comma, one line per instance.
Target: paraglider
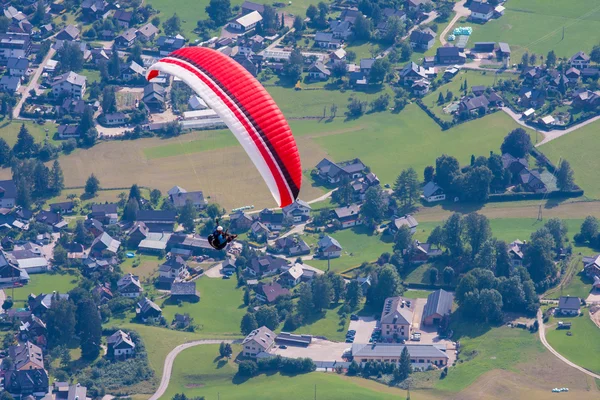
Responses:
[219,239]
[247,109]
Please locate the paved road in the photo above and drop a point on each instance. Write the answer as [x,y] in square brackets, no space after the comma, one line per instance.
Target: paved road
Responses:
[552,134]
[2,298]
[556,353]
[461,11]
[32,83]
[166,376]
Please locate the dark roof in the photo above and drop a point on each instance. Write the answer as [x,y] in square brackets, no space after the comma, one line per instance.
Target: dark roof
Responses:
[474,103]
[17,63]
[366,63]
[504,47]
[65,205]
[183,288]
[124,16]
[580,55]
[449,51]
[438,302]
[249,5]
[8,190]
[482,8]
[272,291]
[156,215]
[569,303]
[110,208]
[68,130]
[170,43]
[172,263]
[48,217]
[422,36]
[266,264]
[269,216]
[179,199]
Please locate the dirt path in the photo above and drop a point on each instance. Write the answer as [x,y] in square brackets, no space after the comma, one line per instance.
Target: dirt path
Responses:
[556,353]
[461,11]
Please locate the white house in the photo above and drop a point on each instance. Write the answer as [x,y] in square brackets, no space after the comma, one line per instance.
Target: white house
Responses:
[568,305]
[17,66]
[259,340]
[481,11]
[120,345]
[129,286]
[246,22]
[432,193]
[580,60]
[292,276]
[328,247]
[113,119]
[298,211]
[71,83]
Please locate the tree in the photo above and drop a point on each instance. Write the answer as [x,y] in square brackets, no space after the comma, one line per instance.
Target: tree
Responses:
[311,12]
[381,103]
[353,294]
[356,108]
[41,178]
[539,256]
[402,239]
[247,368]
[374,207]
[298,24]
[135,54]
[305,300]
[60,322]
[362,28]
[172,26]
[589,229]
[344,193]
[338,286]
[565,180]
[446,168]
[386,284]
[155,196]
[40,12]
[82,235]
[478,231]
[225,350]
[247,297]
[379,70]
[155,21]
[248,324]
[532,59]
[433,275]
[267,316]
[558,230]
[517,143]
[448,275]
[114,66]
[428,173]
[551,59]
[440,99]
[394,29]
[87,120]
[452,235]
[407,188]
[109,100]
[92,185]
[25,146]
[90,334]
[404,366]
[131,210]
[57,180]
[321,293]
[187,215]
[490,305]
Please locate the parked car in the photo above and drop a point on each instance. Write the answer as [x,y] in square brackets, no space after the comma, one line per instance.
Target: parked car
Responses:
[283,346]
[226,277]
[349,340]
[353,317]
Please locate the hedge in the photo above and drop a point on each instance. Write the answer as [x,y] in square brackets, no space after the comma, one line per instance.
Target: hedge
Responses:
[534,196]
[426,286]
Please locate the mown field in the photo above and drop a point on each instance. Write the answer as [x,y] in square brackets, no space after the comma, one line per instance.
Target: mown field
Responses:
[537,26]
[43,283]
[9,130]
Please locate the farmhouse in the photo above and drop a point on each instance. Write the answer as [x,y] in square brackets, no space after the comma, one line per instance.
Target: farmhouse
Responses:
[9,272]
[411,73]
[38,305]
[580,60]
[268,293]
[407,220]
[591,266]
[246,22]
[298,211]
[285,338]
[105,213]
[516,253]
[328,247]
[319,71]
[396,319]
[292,276]
[185,291]
[481,11]
[326,40]
[292,246]
[147,32]
[133,71]
[52,219]
[105,243]
[157,220]
[259,231]
[17,66]
[10,84]
[432,192]
[422,39]
[33,329]
[335,172]
[129,286]
[68,131]
[249,6]
[421,252]
[271,219]
[179,197]
[70,32]
[147,309]
[568,305]
[173,269]
[126,39]
[228,266]
[421,355]
[239,221]
[259,340]
[341,29]
[265,266]
[450,55]
[120,345]
[439,304]
[348,216]
[167,44]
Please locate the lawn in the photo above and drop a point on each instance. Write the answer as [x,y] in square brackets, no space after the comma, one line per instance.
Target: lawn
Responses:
[365,49]
[416,294]
[358,247]
[92,75]
[327,326]
[538,25]
[148,266]
[579,148]
[473,78]
[103,195]
[208,140]
[219,311]
[44,283]
[583,346]
[10,129]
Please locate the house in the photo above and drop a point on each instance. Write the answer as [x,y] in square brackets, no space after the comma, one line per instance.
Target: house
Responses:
[15,45]
[325,40]
[421,252]
[547,121]
[173,269]
[421,355]
[532,181]
[33,329]
[341,29]
[196,103]
[417,5]
[137,233]
[17,66]
[248,7]
[24,383]
[269,292]
[93,9]
[285,338]
[182,196]
[133,71]
[328,247]
[573,74]
[533,98]
[396,319]
[450,55]
[41,303]
[123,18]
[568,305]
[586,99]
[265,266]
[246,22]
[366,64]
[155,242]
[590,73]
[408,220]
[591,266]
[115,119]
[228,266]
[71,83]
[481,11]
[105,213]
[260,340]
[65,207]
[420,87]
[473,105]
[129,286]
[318,71]
[70,32]
[104,243]
[348,216]
[411,73]
[29,258]
[120,345]
[239,221]
[484,47]
[336,172]
[10,272]
[103,293]
[432,192]
[68,131]
[53,219]
[298,211]
[14,15]
[272,220]
[337,56]
[8,194]
[292,276]
[516,253]
[365,283]
[292,246]
[154,97]
[350,15]
[147,32]
[126,39]
[259,231]
[181,321]
[147,309]
[422,39]
[439,304]
[167,44]
[72,107]
[185,291]
[158,220]
[580,60]
[10,84]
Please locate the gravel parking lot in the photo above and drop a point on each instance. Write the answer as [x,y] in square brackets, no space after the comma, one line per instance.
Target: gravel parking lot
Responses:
[364,328]
[318,350]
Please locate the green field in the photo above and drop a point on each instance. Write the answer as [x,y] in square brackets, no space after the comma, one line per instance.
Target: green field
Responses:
[92,75]
[10,129]
[209,140]
[416,294]
[44,283]
[537,26]
[358,247]
[327,326]
[583,346]
[581,158]
[219,311]
[147,267]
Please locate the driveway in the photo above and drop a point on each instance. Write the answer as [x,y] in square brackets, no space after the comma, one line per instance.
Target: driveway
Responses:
[33,83]
[318,350]
[418,306]
[594,297]
[364,328]
[214,272]
[461,11]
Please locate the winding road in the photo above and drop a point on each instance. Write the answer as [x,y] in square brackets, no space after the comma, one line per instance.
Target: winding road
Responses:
[168,367]
[542,331]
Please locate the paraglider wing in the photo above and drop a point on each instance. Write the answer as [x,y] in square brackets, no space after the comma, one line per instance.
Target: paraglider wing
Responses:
[247,109]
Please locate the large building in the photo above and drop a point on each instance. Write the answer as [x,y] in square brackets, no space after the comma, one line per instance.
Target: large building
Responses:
[71,83]
[247,22]
[396,319]
[8,194]
[14,45]
[439,304]
[259,340]
[421,355]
